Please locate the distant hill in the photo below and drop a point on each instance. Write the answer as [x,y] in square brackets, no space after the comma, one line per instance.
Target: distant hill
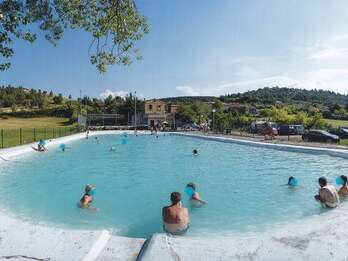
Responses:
[188,99]
[287,95]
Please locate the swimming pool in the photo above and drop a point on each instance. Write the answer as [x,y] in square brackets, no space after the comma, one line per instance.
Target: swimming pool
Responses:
[244,185]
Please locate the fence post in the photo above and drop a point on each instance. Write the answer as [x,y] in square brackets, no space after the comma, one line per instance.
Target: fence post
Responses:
[20,136]
[53,133]
[2,138]
[34,134]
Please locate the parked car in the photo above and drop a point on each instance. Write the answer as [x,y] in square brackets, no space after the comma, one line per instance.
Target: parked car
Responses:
[260,126]
[320,135]
[340,132]
[269,130]
[291,129]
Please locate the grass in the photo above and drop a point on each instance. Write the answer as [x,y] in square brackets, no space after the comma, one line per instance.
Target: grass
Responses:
[16,131]
[337,123]
[41,122]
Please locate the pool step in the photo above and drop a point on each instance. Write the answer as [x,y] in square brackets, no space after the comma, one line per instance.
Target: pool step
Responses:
[121,248]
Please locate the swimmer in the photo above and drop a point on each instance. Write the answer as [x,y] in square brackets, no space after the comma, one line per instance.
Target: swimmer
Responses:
[87,134]
[195,152]
[112,148]
[327,195]
[292,182]
[87,197]
[343,191]
[176,218]
[194,197]
[96,139]
[135,132]
[41,146]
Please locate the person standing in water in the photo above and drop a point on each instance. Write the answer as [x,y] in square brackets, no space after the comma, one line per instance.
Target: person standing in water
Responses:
[195,152]
[193,194]
[343,191]
[327,195]
[176,218]
[87,197]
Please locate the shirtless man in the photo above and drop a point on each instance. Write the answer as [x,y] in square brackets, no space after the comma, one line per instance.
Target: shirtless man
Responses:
[175,217]
[328,195]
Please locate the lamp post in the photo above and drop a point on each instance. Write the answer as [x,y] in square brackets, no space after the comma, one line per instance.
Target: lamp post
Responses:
[135,109]
[213,111]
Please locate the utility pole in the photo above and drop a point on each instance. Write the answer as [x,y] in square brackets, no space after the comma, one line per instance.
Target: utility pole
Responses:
[135,109]
[213,119]
[80,102]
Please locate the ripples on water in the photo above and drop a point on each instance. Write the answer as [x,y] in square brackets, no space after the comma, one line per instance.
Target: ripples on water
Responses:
[244,185]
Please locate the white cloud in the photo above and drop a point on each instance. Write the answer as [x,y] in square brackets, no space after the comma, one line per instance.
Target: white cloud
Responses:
[330,53]
[187,90]
[108,92]
[321,65]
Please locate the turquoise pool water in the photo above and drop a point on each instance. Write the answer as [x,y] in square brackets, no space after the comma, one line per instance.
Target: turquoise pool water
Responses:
[244,185]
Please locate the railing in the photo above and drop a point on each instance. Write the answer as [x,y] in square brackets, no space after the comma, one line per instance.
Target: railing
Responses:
[14,137]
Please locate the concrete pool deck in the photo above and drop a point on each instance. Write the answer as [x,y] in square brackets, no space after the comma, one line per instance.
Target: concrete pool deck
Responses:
[319,237]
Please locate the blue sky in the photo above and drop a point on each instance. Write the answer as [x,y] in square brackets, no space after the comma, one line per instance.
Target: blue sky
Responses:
[204,47]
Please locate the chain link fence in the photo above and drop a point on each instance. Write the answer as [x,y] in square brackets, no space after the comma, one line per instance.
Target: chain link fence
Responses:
[14,137]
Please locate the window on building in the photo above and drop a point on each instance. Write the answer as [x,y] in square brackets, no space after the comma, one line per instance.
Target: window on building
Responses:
[159,107]
[150,106]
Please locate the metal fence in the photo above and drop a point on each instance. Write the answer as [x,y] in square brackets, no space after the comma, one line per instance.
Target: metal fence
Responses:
[14,137]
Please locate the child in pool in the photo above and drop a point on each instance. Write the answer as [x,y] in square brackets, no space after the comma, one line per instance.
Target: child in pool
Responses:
[343,191]
[87,197]
[195,198]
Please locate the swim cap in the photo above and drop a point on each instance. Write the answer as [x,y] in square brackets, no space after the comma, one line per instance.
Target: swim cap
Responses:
[339,181]
[91,192]
[189,191]
[42,142]
[293,182]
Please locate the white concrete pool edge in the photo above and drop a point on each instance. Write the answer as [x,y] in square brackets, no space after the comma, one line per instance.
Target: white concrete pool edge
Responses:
[23,240]
[284,147]
[312,238]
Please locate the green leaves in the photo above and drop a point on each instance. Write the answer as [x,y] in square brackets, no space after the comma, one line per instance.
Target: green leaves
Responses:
[115,26]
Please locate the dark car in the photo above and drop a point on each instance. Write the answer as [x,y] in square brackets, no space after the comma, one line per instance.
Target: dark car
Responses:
[290,129]
[340,132]
[320,135]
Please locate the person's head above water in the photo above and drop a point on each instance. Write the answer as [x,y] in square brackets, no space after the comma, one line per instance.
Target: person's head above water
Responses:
[322,181]
[292,181]
[175,197]
[195,151]
[345,179]
[88,188]
[191,185]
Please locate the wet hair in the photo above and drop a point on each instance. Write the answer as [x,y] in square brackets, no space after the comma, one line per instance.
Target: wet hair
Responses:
[175,197]
[345,179]
[322,181]
[191,185]
[195,151]
[88,189]
[290,178]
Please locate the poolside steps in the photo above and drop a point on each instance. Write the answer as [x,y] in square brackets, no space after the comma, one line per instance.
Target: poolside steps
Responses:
[121,249]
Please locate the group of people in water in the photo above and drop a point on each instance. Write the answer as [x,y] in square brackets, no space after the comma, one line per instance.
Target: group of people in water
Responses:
[328,196]
[176,218]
